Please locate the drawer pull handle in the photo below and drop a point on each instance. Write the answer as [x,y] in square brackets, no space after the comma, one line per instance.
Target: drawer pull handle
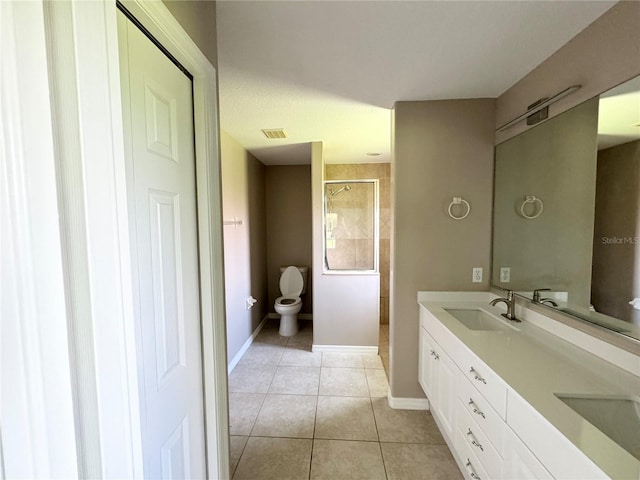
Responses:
[435,355]
[474,440]
[471,470]
[476,410]
[477,376]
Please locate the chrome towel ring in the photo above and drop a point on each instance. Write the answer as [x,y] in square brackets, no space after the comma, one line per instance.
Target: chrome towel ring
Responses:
[459,201]
[538,207]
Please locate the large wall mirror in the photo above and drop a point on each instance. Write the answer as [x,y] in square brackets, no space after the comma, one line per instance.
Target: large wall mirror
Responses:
[567,212]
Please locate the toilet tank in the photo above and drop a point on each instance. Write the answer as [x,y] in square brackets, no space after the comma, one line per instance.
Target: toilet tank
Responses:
[305,275]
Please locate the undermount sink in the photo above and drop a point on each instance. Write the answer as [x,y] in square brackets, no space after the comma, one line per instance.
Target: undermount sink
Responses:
[478,319]
[617,416]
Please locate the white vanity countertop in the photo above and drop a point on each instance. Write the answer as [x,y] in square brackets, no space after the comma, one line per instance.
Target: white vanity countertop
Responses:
[536,365]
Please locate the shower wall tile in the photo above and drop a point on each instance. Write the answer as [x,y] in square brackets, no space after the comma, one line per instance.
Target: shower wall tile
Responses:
[384,285]
[340,172]
[364,253]
[384,267]
[384,310]
[342,257]
[385,193]
[385,224]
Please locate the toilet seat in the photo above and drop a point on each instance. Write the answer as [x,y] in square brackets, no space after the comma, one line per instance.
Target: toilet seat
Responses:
[287,301]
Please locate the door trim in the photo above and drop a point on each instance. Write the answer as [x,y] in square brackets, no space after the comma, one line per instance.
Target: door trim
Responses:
[157,19]
[38,432]
[91,76]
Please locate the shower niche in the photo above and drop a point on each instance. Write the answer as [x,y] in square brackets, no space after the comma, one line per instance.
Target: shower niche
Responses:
[351,226]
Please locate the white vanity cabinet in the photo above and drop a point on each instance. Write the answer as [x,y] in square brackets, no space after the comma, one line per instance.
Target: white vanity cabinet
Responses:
[469,402]
[437,376]
[514,400]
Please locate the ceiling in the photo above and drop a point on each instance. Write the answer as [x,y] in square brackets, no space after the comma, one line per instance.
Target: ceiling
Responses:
[331,71]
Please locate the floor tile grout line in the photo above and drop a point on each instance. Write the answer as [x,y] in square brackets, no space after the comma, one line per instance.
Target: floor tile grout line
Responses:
[240,456]
[384,464]
[313,445]
[347,440]
[253,425]
[375,422]
[281,437]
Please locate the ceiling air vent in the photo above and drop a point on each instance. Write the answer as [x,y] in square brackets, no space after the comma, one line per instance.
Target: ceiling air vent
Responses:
[274,132]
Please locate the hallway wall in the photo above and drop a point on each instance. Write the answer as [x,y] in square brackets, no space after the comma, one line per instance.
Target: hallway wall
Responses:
[198,18]
[245,252]
[616,264]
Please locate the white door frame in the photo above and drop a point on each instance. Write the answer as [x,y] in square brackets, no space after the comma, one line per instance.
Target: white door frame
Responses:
[92,210]
[36,397]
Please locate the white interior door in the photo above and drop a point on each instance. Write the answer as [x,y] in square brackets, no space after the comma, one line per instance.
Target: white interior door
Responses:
[158,118]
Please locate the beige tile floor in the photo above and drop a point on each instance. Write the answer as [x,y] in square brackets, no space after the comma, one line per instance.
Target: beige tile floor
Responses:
[295,414]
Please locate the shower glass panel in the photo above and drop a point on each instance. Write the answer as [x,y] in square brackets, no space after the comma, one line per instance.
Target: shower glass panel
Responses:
[351,225]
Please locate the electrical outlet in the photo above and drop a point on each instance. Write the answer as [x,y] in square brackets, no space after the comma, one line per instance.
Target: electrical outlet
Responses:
[476,276]
[505,274]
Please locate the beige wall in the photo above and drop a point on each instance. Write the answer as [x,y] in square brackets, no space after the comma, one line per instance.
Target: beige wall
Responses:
[616,264]
[381,171]
[198,18]
[556,162]
[245,255]
[603,55]
[288,200]
[440,149]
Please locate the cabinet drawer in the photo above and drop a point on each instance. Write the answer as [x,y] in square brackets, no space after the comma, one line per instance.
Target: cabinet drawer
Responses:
[472,468]
[520,463]
[441,334]
[482,412]
[479,443]
[484,380]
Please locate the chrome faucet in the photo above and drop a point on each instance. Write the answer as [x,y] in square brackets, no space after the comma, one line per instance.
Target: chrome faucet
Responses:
[510,302]
[542,301]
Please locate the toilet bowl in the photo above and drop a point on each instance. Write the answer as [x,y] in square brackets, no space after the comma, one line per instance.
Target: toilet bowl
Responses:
[289,304]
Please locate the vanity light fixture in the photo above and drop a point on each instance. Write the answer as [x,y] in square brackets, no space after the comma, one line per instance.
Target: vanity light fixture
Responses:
[539,106]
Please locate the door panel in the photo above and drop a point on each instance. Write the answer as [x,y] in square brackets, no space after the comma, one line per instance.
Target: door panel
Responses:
[169,321]
[174,453]
[158,107]
[161,121]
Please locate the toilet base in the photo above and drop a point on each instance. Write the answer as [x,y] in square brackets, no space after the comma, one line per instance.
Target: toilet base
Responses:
[288,325]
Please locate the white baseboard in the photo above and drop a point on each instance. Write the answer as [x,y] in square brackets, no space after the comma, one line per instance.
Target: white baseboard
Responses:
[234,361]
[301,316]
[404,403]
[370,350]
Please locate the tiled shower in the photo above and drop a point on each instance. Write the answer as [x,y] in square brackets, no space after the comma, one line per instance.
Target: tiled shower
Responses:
[356,253]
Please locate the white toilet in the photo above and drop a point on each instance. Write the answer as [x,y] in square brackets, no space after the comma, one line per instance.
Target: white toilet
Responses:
[293,283]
